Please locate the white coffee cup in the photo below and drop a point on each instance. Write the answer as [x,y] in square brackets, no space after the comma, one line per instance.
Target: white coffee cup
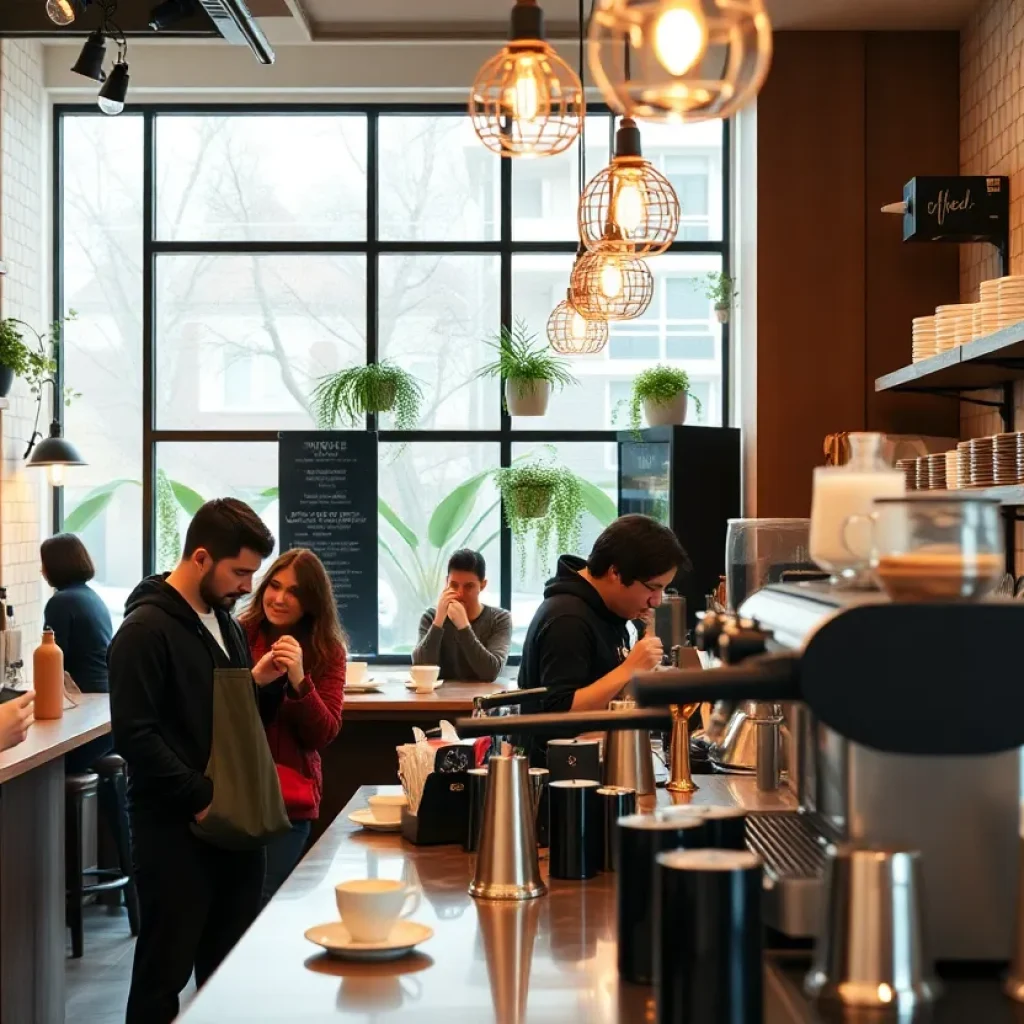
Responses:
[387,809]
[424,677]
[355,673]
[369,907]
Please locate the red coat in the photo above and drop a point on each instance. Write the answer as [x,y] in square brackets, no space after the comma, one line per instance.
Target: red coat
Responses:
[305,725]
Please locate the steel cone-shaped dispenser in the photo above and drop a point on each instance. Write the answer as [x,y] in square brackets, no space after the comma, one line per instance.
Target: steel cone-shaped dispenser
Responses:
[508,931]
[507,867]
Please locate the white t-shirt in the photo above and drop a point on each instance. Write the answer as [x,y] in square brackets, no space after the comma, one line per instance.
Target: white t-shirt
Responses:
[209,620]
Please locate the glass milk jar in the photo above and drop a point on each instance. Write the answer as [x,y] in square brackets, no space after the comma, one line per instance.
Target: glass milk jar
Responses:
[844,491]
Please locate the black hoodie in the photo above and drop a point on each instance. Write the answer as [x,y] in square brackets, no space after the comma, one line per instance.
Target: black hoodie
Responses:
[573,640]
[162,661]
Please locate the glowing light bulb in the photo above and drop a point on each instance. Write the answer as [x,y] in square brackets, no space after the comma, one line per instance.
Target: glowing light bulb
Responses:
[680,37]
[56,475]
[579,327]
[60,12]
[525,95]
[630,206]
[611,280]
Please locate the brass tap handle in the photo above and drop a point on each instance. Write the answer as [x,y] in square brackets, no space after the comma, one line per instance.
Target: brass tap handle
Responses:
[680,779]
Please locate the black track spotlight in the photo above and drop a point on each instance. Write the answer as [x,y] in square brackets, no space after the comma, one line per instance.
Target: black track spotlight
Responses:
[90,60]
[115,89]
[169,12]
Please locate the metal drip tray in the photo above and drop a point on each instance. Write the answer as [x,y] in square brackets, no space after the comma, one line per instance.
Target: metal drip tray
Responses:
[793,852]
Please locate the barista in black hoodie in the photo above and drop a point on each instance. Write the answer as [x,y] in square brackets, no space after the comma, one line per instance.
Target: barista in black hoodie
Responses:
[577,645]
[195,900]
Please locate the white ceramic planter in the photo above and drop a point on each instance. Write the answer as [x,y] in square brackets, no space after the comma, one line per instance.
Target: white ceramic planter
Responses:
[531,401]
[722,314]
[666,414]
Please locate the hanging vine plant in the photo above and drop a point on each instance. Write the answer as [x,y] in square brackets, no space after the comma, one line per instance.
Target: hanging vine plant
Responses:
[541,501]
[349,395]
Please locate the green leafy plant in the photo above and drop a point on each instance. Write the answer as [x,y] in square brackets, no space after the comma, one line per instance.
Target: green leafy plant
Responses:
[349,395]
[720,288]
[524,361]
[658,384]
[541,500]
[36,362]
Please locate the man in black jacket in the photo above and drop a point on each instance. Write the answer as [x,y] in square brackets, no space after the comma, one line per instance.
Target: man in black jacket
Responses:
[577,645]
[195,900]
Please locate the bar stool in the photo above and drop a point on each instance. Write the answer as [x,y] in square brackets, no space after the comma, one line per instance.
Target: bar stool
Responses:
[107,785]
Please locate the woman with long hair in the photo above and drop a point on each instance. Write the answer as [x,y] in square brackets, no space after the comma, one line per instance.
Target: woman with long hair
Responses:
[293,615]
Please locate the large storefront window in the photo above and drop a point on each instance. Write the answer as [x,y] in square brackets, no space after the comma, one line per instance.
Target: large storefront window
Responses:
[221,261]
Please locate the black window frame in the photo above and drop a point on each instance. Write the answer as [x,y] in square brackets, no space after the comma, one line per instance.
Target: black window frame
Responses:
[505,247]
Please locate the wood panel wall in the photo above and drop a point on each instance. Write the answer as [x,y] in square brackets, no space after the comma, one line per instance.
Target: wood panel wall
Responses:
[844,120]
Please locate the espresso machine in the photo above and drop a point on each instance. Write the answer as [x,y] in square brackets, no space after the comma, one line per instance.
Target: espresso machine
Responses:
[899,725]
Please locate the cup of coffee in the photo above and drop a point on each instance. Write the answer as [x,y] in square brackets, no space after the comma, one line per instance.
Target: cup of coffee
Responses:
[424,677]
[355,673]
[369,907]
[388,809]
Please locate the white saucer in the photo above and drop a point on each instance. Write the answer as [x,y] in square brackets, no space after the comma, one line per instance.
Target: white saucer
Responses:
[365,819]
[410,685]
[368,687]
[334,938]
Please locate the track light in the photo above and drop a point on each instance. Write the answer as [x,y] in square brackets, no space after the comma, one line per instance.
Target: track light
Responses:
[115,89]
[167,13]
[90,60]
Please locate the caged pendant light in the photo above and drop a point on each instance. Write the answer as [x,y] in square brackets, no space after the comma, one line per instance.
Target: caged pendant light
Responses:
[679,60]
[609,285]
[630,207]
[526,101]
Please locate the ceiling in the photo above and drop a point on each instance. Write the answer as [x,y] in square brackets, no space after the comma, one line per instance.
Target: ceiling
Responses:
[484,20]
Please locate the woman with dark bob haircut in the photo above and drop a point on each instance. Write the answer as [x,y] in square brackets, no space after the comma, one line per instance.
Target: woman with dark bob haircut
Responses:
[81,626]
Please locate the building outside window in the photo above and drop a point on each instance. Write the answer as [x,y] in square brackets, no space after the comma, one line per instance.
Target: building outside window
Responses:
[222,261]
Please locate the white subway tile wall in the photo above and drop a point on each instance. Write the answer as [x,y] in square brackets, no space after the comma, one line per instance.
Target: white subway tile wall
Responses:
[23,218]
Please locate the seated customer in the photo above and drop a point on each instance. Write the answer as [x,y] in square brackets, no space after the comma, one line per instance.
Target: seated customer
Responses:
[468,639]
[81,629]
[577,645]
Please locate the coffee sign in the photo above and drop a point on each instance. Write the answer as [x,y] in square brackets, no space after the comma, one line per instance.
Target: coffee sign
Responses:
[960,208]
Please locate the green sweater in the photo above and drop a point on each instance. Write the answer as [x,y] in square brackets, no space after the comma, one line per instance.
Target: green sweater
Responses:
[476,654]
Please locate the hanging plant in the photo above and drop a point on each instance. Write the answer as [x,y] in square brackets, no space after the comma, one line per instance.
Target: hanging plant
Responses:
[349,395]
[36,363]
[529,368]
[541,501]
[721,290]
[661,394]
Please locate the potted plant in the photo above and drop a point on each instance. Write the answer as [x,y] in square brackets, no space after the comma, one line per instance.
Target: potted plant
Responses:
[349,395]
[662,392]
[528,368]
[36,363]
[541,500]
[721,290]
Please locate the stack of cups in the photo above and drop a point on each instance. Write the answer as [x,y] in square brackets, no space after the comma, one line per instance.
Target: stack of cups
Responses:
[952,469]
[1010,300]
[987,317]
[924,337]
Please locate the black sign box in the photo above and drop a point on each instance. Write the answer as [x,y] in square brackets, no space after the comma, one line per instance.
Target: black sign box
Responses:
[957,208]
[328,503]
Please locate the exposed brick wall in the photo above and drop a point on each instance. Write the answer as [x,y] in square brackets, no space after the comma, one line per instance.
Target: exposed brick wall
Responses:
[23,195]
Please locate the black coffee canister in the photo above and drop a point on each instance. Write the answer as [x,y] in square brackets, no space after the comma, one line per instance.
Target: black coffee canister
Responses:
[574,834]
[727,825]
[640,838]
[477,778]
[708,941]
[616,802]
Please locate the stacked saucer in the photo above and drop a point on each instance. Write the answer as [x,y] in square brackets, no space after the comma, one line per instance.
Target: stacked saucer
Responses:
[963,464]
[1004,458]
[908,467]
[952,458]
[948,324]
[921,477]
[924,338]
[937,472]
[982,466]
[986,311]
[965,325]
[1011,300]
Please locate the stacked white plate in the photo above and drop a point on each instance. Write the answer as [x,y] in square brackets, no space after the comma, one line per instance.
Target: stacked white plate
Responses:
[948,324]
[1011,300]
[986,311]
[924,337]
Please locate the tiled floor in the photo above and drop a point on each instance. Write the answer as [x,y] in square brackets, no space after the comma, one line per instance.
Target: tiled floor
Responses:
[97,985]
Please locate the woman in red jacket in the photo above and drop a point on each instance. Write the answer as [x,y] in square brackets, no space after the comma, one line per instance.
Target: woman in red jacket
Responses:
[294,615]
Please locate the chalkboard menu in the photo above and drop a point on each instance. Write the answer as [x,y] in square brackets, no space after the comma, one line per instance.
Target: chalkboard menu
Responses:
[328,503]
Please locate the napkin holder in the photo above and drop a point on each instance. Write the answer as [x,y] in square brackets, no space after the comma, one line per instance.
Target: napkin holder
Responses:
[443,813]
